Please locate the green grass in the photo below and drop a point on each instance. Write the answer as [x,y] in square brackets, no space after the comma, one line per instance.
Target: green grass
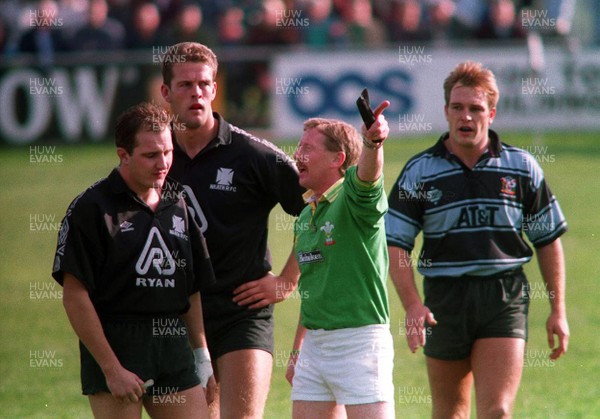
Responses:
[565,389]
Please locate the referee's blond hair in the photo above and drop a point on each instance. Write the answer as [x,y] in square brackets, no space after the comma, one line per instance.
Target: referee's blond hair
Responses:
[339,136]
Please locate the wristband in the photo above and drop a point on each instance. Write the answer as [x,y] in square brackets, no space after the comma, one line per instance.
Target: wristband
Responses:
[203,365]
[371,144]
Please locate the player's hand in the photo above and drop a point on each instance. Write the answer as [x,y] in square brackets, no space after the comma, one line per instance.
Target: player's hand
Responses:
[291,368]
[380,130]
[417,322]
[124,385]
[269,289]
[557,325]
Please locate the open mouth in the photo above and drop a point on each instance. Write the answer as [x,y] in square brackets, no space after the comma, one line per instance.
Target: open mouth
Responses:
[196,106]
[465,129]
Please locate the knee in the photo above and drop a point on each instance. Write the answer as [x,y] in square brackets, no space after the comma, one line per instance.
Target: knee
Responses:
[497,411]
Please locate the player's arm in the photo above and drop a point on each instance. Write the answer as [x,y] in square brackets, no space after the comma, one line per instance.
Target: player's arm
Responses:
[123,384]
[194,322]
[270,288]
[552,267]
[370,162]
[417,314]
[295,352]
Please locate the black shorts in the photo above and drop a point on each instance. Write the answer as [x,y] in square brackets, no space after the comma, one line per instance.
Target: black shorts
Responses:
[468,308]
[230,327]
[156,348]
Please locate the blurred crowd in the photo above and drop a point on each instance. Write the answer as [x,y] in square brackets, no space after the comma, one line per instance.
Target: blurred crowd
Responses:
[48,26]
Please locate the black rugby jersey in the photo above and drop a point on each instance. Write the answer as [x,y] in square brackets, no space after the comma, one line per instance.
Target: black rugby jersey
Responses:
[133,261]
[232,185]
[472,220]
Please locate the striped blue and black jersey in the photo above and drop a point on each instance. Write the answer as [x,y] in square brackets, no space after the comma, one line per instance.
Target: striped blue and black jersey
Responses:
[473,220]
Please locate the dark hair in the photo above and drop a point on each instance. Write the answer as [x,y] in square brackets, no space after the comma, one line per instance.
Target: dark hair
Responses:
[187,52]
[146,117]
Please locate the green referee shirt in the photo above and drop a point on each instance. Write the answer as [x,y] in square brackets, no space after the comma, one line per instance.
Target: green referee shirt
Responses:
[341,249]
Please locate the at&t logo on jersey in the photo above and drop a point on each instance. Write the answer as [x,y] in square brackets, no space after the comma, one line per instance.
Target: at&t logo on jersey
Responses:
[224,181]
[155,259]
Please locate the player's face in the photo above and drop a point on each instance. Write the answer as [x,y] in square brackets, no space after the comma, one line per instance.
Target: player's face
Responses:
[469,117]
[315,163]
[147,166]
[191,93]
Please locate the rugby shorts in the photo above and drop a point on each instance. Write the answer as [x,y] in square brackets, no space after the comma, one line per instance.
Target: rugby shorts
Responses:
[468,308]
[349,366]
[230,327]
[156,348]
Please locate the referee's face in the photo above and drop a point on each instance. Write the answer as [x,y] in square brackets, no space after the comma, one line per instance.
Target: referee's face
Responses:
[469,117]
[147,166]
[190,94]
[318,168]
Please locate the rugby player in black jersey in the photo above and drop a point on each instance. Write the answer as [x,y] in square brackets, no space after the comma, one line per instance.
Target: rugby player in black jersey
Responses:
[132,261]
[232,181]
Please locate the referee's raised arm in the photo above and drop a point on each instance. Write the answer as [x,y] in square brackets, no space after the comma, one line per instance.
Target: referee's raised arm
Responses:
[370,162]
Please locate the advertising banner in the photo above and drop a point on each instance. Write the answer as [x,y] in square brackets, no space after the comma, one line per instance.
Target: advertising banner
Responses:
[565,94]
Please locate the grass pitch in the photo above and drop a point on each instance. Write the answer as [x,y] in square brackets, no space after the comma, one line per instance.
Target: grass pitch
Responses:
[39,361]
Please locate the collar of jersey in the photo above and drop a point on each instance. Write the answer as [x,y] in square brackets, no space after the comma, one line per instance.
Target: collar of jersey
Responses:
[494,149]
[329,195]
[118,186]
[223,135]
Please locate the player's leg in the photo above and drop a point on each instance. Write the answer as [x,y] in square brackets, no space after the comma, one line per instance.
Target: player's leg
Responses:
[450,383]
[244,380]
[497,366]
[380,410]
[185,404]
[319,410]
[105,406]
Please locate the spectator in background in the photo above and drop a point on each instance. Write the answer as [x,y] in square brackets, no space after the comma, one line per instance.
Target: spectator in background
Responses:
[3,36]
[231,29]
[272,24]
[406,23]
[100,32]
[188,25]
[500,21]
[144,33]
[362,28]
[325,29]
[120,10]
[468,17]
[45,36]
[440,17]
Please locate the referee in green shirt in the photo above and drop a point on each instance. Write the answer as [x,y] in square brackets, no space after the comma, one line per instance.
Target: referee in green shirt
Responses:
[343,351]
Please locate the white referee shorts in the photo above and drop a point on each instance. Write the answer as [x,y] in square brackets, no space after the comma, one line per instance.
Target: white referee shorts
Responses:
[348,366]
